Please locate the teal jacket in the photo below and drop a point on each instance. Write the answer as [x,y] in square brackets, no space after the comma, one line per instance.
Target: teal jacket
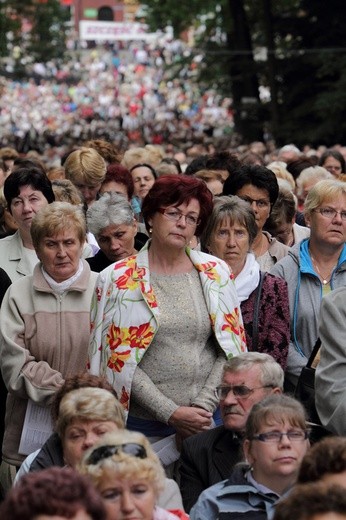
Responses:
[305,292]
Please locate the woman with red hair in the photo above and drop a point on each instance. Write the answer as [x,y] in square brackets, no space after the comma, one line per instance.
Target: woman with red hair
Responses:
[164,321]
[53,493]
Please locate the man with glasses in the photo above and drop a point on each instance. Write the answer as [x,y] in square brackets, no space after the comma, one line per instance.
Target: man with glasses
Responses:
[208,457]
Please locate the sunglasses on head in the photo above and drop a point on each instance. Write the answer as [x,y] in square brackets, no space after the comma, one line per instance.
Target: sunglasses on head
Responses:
[104,452]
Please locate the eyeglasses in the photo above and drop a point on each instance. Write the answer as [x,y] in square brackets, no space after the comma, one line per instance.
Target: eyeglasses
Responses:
[104,452]
[175,216]
[331,213]
[240,391]
[292,435]
[260,203]
[336,168]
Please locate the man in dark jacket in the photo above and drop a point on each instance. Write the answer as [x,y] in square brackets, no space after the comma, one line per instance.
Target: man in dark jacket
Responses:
[208,457]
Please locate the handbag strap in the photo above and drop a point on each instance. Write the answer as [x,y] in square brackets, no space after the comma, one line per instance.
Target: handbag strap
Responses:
[314,353]
[256,312]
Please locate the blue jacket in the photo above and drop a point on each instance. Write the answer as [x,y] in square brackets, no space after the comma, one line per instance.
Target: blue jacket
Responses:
[234,499]
[305,292]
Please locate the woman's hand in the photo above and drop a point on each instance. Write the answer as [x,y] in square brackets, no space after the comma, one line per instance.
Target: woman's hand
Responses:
[188,420]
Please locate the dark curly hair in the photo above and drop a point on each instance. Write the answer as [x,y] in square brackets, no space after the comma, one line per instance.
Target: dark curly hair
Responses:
[324,458]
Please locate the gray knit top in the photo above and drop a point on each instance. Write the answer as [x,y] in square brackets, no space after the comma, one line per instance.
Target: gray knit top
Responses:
[184,363]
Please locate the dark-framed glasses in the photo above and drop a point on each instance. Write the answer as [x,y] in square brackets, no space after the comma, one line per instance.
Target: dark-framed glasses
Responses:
[292,435]
[260,203]
[331,213]
[104,452]
[240,391]
[176,215]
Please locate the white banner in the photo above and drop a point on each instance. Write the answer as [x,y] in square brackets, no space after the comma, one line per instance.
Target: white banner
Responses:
[110,31]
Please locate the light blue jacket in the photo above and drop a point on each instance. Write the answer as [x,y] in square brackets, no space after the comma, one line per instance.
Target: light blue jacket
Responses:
[305,295]
[235,498]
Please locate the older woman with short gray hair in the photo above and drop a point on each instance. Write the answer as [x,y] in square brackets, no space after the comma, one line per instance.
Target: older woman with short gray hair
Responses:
[112,221]
[229,235]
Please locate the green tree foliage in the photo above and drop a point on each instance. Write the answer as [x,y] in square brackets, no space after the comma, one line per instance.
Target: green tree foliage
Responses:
[49,31]
[312,74]
[10,23]
[304,49]
[46,38]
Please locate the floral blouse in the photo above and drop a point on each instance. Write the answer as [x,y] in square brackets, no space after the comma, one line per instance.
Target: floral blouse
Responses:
[125,315]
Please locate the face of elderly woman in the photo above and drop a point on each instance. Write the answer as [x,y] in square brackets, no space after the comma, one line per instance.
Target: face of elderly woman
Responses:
[328,228]
[230,242]
[174,226]
[259,201]
[126,499]
[81,435]
[117,241]
[25,206]
[60,254]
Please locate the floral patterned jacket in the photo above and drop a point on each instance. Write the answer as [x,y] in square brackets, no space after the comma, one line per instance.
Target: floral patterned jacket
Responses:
[125,315]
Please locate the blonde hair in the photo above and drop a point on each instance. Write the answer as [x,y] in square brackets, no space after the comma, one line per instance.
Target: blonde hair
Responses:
[166,169]
[123,465]
[135,156]
[90,404]
[85,166]
[281,172]
[317,173]
[149,154]
[326,190]
[66,191]
[55,218]
[155,153]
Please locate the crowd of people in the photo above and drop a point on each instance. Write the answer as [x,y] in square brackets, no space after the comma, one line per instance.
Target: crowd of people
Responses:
[158,305]
[198,324]
[127,93]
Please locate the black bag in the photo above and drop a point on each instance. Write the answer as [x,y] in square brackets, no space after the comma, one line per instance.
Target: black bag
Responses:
[305,389]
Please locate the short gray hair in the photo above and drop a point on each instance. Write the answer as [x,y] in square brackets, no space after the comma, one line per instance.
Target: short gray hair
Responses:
[317,173]
[271,372]
[236,210]
[111,208]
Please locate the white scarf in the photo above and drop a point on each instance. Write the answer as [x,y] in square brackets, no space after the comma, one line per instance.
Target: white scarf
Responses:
[61,287]
[248,278]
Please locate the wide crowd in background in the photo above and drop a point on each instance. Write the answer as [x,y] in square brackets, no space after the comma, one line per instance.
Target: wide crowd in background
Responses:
[163,289]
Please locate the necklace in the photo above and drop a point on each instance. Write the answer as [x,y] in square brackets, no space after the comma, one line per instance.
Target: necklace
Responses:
[324,279]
